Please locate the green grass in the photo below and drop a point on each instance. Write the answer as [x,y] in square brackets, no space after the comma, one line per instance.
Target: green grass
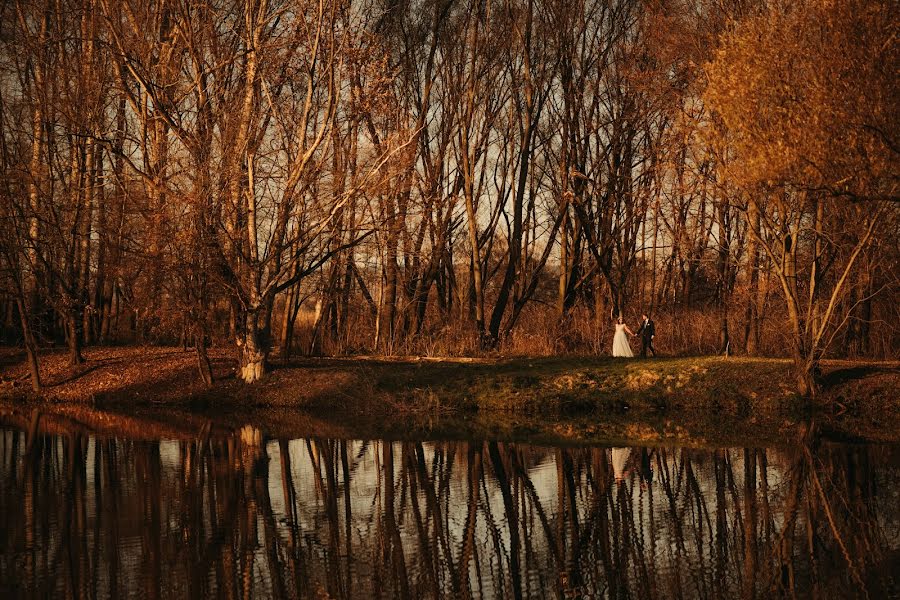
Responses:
[579,385]
[693,400]
[687,399]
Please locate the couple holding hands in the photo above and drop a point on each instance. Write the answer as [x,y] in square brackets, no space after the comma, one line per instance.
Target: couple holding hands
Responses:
[647,331]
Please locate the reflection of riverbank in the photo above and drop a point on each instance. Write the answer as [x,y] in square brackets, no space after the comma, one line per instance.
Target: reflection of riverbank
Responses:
[317,517]
[151,423]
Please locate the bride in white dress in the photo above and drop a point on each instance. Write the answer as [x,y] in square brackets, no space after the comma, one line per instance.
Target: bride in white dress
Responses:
[621,347]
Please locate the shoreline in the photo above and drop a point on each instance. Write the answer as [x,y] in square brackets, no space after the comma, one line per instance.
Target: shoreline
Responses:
[641,429]
[575,399]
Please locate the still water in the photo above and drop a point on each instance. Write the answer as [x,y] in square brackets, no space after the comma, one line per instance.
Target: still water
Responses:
[242,516]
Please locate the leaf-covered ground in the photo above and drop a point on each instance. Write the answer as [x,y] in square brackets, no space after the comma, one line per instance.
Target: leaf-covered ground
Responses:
[140,374]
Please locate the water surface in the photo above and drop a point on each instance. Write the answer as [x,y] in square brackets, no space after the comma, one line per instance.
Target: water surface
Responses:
[243,516]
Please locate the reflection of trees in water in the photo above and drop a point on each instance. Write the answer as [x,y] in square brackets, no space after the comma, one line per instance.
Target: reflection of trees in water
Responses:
[103,517]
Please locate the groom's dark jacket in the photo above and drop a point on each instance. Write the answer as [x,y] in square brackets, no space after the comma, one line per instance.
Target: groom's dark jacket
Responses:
[647,330]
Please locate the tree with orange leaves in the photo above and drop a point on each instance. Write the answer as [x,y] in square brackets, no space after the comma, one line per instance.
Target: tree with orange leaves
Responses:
[806,103]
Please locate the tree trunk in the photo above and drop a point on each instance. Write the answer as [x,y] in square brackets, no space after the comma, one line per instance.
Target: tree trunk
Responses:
[344,307]
[527,119]
[724,337]
[751,327]
[616,300]
[100,209]
[809,376]
[865,318]
[30,348]
[84,275]
[602,311]
[475,282]
[563,265]
[815,277]
[253,342]
[389,302]
[203,364]
[723,288]
[286,314]
[9,328]
[114,226]
[653,268]
[73,337]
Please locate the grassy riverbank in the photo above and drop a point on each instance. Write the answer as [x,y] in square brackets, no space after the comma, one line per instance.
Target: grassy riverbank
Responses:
[506,397]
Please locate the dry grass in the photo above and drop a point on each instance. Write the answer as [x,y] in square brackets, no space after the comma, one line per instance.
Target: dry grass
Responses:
[540,332]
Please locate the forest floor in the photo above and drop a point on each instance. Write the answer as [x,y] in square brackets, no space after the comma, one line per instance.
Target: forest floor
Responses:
[558,398]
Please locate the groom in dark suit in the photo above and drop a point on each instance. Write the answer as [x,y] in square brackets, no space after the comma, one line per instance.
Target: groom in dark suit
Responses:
[647,333]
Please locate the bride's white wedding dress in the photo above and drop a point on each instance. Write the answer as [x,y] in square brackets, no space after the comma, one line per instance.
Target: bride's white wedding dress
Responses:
[620,342]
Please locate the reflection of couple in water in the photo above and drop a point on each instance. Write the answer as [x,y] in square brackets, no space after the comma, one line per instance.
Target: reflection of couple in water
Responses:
[621,458]
[647,332]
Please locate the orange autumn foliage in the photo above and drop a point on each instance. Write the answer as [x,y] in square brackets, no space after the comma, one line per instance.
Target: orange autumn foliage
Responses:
[808,94]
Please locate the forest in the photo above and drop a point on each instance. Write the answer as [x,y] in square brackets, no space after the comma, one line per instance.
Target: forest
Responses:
[450,177]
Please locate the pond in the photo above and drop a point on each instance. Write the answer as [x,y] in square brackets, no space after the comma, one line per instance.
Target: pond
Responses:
[246,516]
